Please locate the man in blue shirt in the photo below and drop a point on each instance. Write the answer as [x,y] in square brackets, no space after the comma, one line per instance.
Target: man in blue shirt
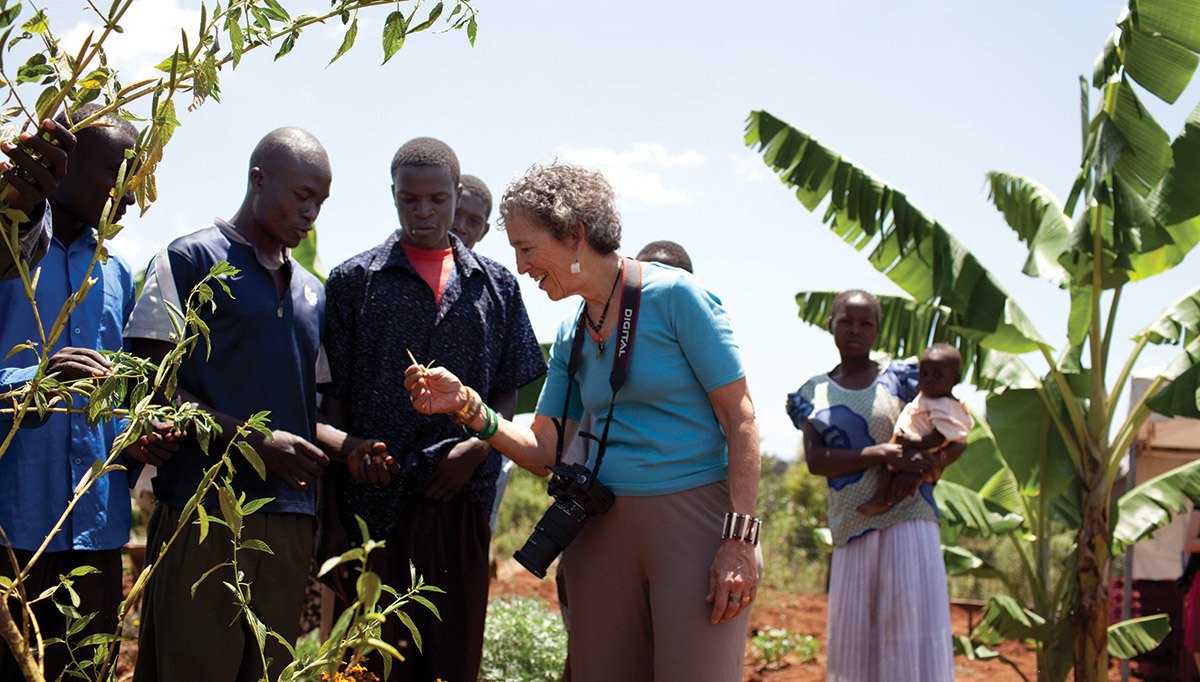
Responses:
[430,495]
[46,460]
[265,340]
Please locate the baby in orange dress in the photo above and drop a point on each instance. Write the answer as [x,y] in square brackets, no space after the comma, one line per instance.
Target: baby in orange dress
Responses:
[932,420]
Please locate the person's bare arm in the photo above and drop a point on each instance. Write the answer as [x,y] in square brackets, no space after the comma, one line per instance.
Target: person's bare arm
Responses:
[460,463]
[826,461]
[931,441]
[733,576]
[438,391]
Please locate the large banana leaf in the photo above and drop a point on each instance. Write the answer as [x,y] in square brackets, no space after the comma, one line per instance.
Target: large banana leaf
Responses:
[1156,62]
[305,254]
[1005,618]
[905,244]
[1030,444]
[1179,323]
[982,468]
[907,327]
[960,561]
[1034,213]
[964,507]
[1150,505]
[1181,397]
[1137,636]
[1176,199]
[1176,20]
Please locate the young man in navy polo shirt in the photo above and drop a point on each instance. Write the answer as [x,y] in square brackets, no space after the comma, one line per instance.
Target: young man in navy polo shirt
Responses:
[47,459]
[265,346]
[430,496]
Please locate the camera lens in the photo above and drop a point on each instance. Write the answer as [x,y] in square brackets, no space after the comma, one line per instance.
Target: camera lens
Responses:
[557,528]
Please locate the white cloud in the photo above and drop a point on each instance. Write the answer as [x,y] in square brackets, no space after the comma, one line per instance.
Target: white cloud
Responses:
[748,167]
[151,33]
[634,172]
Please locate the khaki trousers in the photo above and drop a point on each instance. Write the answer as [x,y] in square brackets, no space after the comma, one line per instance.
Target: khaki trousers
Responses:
[638,577]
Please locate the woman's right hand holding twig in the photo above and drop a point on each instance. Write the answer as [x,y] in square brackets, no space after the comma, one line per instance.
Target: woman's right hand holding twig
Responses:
[434,390]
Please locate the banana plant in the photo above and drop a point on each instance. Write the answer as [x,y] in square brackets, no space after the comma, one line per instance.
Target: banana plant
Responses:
[1050,447]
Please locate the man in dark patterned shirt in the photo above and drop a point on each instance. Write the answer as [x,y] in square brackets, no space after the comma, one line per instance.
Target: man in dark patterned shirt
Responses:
[430,494]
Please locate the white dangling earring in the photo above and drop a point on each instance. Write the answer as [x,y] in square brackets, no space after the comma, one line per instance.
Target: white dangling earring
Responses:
[575,267]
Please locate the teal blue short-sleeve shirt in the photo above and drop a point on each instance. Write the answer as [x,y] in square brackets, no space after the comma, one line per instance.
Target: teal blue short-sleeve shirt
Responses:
[664,437]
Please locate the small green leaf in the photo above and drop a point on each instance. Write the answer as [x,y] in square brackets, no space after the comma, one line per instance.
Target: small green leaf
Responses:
[37,24]
[253,458]
[472,29]
[347,40]
[394,29]
[202,519]
[229,509]
[257,546]
[10,14]
[368,589]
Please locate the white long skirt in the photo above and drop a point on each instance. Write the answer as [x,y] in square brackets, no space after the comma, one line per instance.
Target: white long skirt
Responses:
[889,610]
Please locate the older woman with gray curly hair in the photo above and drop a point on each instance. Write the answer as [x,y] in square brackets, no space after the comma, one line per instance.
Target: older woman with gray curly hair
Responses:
[661,583]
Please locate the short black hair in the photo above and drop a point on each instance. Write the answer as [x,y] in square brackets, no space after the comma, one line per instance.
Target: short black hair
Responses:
[473,185]
[288,145]
[949,351]
[841,299]
[426,151]
[109,123]
[668,253]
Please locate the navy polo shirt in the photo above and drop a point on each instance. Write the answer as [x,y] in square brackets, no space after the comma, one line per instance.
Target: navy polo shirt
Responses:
[264,354]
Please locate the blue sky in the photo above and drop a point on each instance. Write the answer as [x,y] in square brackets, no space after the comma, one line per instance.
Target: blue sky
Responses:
[928,95]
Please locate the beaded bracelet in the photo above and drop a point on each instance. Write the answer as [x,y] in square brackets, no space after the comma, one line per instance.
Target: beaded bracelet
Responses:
[741,527]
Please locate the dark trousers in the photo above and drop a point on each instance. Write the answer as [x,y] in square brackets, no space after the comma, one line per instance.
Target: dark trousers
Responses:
[447,542]
[99,593]
[205,637]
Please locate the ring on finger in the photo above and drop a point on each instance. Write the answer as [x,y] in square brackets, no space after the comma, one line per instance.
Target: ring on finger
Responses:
[735,600]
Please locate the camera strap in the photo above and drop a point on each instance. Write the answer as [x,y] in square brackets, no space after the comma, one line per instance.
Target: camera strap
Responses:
[631,299]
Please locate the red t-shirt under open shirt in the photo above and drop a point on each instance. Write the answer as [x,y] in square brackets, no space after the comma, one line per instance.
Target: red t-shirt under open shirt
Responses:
[433,266]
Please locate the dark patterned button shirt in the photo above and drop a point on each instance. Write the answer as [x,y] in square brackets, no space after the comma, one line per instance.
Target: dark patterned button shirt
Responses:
[377,309]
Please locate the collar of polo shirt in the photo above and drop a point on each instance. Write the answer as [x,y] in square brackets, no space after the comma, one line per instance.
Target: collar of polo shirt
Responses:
[271,260]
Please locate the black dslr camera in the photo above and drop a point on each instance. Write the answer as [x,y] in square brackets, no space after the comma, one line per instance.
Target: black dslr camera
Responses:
[577,495]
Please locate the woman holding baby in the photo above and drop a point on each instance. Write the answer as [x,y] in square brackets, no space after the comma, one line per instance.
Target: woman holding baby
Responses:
[889,609]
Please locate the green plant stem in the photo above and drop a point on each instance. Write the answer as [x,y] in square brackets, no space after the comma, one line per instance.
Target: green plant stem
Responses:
[1110,324]
[1071,444]
[1077,421]
[1123,377]
[110,24]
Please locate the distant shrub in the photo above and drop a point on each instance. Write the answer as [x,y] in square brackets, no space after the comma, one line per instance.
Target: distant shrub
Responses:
[522,640]
[525,500]
[770,646]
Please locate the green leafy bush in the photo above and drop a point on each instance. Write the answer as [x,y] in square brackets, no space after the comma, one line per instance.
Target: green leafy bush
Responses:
[770,645]
[525,500]
[791,503]
[522,640]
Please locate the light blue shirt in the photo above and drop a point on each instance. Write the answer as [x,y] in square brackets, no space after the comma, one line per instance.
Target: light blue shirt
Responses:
[664,436]
[41,468]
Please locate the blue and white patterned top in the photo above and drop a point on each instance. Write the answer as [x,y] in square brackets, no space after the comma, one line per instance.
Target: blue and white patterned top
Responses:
[855,419]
